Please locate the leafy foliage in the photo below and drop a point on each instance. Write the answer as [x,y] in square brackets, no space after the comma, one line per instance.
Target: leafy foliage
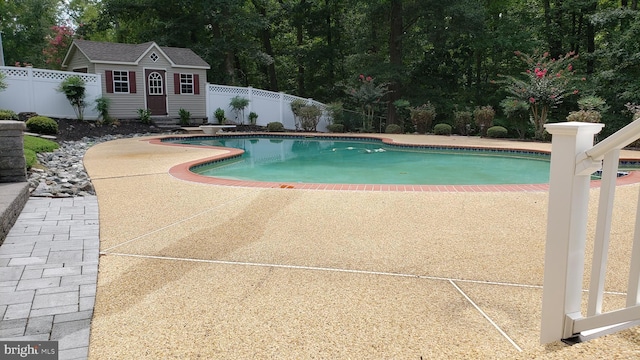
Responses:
[8,115]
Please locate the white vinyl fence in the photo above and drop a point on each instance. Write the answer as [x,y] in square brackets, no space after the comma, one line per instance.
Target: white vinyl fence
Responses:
[268,105]
[573,159]
[34,90]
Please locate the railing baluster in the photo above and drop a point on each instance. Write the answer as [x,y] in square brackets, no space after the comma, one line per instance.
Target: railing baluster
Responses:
[634,271]
[603,232]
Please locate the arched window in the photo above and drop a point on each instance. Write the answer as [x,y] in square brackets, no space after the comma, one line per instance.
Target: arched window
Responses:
[155,84]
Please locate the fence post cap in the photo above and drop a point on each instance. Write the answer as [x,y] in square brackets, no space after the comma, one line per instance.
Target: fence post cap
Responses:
[573,128]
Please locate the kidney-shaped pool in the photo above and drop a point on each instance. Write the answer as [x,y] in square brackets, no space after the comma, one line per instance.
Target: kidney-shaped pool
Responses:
[299,159]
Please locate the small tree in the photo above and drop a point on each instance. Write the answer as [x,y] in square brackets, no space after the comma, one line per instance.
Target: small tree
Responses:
[238,104]
[73,88]
[368,96]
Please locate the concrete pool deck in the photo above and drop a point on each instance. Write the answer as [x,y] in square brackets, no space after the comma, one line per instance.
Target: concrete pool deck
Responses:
[192,270]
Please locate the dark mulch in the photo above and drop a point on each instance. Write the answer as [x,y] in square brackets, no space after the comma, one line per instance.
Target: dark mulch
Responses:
[72,129]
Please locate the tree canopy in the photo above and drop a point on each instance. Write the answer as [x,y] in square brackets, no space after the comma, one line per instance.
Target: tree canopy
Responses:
[450,54]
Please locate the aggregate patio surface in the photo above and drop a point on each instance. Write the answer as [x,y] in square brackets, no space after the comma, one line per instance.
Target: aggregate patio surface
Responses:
[190,270]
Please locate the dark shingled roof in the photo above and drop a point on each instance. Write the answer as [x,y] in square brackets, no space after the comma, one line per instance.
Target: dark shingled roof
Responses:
[129,53]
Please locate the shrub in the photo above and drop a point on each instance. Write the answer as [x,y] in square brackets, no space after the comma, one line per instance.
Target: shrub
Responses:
[335,112]
[102,107]
[442,129]
[73,88]
[335,128]
[483,116]
[591,116]
[8,115]
[275,126]
[42,125]
[296,107]
[310,117]
[145,116]
[462,120]
[253,117]
[423,116]
[219,115]
[497,132]
[185,116]
[393,129]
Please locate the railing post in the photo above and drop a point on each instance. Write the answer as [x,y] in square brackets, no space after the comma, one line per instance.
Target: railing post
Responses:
[566,228]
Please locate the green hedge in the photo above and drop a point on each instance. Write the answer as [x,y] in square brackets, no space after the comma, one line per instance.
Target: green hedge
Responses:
[442,129]
[275,126]
[497,132]
[393,129]
[42,125]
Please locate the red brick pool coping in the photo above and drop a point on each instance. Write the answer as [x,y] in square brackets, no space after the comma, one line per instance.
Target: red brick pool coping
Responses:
[183,172]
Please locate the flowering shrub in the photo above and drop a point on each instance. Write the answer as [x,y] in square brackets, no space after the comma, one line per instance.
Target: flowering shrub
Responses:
[546,84]
[57,44]
[367,95]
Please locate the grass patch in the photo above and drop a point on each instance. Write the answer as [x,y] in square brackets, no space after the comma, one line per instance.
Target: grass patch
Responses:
[33,145]
[30,157]
[39,144]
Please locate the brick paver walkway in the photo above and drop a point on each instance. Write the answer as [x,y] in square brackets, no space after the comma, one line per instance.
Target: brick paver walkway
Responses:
[48,274]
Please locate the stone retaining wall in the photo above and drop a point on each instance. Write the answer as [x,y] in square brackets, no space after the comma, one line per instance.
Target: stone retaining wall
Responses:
[12,163]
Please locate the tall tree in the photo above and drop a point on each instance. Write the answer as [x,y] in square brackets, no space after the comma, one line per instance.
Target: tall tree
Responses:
[25,25]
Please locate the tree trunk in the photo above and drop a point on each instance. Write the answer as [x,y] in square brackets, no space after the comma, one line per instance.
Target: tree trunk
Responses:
[395,57]
[300,43]
[265,38]
[591,39]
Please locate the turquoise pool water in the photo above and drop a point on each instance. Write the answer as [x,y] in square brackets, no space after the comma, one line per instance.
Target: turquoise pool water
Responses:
[313,160]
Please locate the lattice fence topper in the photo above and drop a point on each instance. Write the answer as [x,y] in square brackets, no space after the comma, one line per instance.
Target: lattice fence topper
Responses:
[55,75]
[15,72]
[228,90]
[266,94]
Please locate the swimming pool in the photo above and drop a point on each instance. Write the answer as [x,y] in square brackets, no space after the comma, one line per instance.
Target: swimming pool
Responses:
[298,159]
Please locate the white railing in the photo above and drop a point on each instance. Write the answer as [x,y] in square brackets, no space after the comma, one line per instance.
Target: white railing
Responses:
[34,90]
[573,160]
[268,105]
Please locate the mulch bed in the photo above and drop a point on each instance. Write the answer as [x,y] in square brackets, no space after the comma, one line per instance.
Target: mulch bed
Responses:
[73,130]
